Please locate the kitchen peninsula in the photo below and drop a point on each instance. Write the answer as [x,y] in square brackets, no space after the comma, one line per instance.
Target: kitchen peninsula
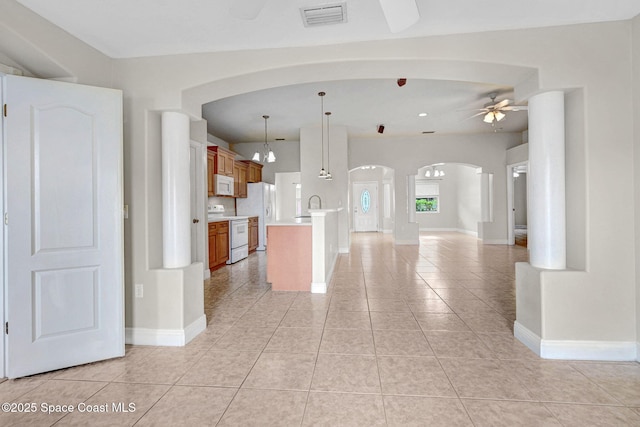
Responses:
[302,252]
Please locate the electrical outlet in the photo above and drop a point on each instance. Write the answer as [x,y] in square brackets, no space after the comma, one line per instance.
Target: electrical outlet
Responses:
[139,290]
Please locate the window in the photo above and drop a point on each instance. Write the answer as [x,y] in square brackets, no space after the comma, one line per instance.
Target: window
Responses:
[427,204]
[427,196]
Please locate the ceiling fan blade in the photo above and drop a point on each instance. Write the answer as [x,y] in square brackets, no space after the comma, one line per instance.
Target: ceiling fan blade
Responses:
[246,9]
[501,104]
[476,115]
[515,108]
[400,14]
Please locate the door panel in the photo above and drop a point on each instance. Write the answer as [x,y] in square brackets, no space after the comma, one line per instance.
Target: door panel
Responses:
[64,246]
[365,206]
[64,206]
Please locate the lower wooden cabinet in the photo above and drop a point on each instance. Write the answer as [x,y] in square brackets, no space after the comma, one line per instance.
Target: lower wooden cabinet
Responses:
[253,233]
[218,244]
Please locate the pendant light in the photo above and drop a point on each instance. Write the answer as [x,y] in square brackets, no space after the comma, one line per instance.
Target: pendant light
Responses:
[269,156]
[328,177]
[323,173]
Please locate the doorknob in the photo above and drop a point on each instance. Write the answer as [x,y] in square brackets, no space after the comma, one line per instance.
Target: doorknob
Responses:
[196,220]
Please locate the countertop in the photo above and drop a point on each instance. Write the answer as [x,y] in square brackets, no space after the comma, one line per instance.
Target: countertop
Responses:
[218,218]
[305,222]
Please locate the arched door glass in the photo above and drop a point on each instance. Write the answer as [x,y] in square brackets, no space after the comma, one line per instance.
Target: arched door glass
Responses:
[365,201]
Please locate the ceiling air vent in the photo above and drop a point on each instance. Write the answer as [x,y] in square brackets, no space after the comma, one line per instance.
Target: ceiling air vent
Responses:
[324,15]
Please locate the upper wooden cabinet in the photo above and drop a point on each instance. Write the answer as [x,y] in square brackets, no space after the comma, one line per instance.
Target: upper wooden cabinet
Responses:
[224,160]
[211,168]
[254,171]
[240,170]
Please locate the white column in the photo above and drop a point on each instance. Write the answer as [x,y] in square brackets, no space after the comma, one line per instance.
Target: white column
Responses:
[176,212]
[547,235]
[411,196]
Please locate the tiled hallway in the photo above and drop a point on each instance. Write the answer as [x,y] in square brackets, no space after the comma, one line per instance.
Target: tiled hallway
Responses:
[406,336]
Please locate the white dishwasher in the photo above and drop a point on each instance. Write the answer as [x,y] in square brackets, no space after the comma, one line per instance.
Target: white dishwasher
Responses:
[238,239]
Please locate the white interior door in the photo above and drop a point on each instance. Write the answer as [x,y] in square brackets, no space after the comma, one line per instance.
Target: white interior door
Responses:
[198,218]
[63,226]
[365,206]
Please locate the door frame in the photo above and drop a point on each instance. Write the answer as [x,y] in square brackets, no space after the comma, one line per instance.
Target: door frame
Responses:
[3,276]
[199,168]
[511,221]
[377,207]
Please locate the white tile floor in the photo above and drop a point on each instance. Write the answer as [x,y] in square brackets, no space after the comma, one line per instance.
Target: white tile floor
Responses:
[406,336]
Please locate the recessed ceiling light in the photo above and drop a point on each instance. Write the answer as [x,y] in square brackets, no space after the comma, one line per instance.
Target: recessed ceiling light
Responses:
[422,115]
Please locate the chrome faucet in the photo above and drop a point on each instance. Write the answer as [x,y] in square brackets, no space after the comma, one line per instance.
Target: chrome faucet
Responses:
[319,201]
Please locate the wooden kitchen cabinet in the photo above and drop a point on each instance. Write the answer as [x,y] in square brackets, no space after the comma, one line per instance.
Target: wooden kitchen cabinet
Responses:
[224,160]
[254,171]
[240,179]
[218,244]
[211,168]
[253,233]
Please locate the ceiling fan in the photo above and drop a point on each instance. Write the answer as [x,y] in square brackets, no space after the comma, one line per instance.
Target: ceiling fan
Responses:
[494,112]
[400,14]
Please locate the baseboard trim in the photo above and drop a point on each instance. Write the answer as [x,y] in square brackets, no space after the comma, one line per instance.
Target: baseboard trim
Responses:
[318,287]
[195,328]
[343,250]
[165,337]
[614,351]
[526,337]
[495,241]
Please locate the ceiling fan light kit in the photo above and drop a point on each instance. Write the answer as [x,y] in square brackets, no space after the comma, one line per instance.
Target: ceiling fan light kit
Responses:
[494,112]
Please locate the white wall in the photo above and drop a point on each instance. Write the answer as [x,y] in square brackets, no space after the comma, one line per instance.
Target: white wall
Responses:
[636,121]
[469,194]
[459,200]
[286,194]
[447,216]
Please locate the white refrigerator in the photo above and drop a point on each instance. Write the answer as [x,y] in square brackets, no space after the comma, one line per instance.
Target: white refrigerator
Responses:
[260,202]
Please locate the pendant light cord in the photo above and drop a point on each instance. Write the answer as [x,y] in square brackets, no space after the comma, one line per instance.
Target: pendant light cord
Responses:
[328,113]
[322,94]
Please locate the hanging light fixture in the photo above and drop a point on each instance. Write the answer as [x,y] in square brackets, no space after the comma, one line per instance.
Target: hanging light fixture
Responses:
[323,173]
[433,171]
[268,155]
[328,177]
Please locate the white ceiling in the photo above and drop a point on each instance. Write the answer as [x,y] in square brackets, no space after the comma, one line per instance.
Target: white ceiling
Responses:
[132,28]
[360,105]
[138,28]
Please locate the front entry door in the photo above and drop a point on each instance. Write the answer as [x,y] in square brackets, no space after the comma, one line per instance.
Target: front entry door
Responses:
[365,206]
[63,225]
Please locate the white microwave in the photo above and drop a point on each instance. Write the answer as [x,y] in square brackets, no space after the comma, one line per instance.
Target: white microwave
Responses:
[223,185]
